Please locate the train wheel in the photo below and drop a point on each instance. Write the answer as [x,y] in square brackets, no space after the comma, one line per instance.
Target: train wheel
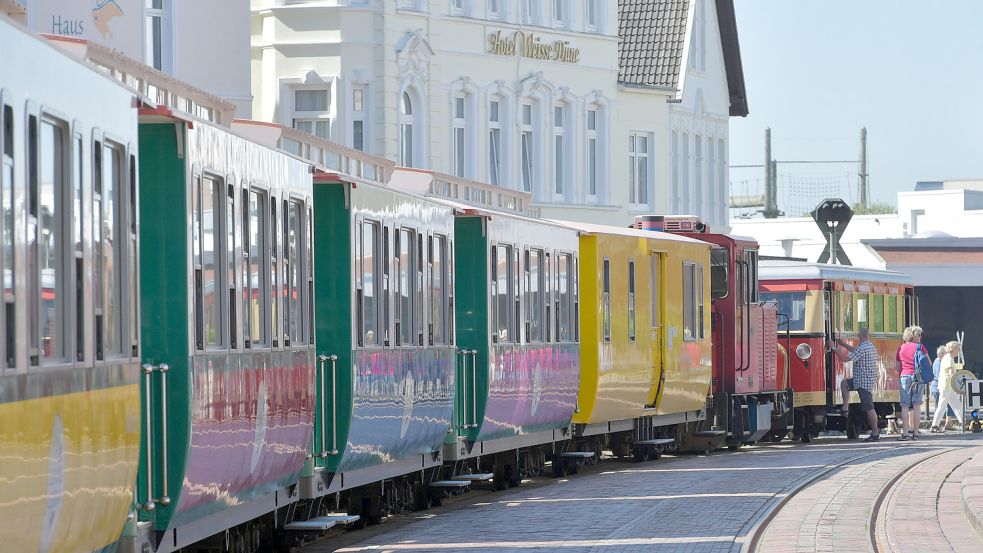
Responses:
[500,480]
[559,468]
[421,499]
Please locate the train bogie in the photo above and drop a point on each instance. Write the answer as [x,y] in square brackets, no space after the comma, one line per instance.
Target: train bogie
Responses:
[69,351]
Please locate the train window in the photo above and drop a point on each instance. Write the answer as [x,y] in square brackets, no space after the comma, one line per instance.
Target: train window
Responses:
[247,312]
[7,228]
[576,299]
[405,284]
[231,239]
[450,291]
[631,300]
[33,278]
[196,256]
[862,311]
[258,267]
[548,292]
[309,244]
[386,285]
[438,289]
[564,295]
[286,267]
[294,277]
[655,290]
[132,296]
[719,273]
[211,207]
[369,292]
[78,230]
[275,273]
[877,313]
[112,182]
[97,252]
[700,304]
[606,300]
[535,294]
[689,301]
[791,304]
[46,237]
[892,313]
[420,302]
[846,309]
[502,287]
[752,264]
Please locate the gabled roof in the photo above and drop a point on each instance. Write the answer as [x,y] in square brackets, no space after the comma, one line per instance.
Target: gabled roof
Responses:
[652,46]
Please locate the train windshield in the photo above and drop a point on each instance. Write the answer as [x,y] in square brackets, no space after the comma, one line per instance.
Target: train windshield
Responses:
[719,273]
[792,304]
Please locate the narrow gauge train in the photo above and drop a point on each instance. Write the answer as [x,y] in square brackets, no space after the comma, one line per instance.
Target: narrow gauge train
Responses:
[834,301]
[69,368]
[430,343]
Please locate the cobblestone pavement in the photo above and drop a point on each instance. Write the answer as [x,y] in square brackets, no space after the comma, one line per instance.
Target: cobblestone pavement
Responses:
[694,504]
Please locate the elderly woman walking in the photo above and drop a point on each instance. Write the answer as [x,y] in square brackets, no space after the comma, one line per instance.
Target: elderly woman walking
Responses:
[911,391]
[948,396]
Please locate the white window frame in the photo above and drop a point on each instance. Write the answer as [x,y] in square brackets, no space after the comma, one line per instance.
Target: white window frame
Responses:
[495,13]
[635,158]
[313,117]
[161,14]
[592,169]
[699,201]
[684,195]
[674,174]
[560,13]
[407,120]
[713,199]
[457,7]
[722,181]
[359,115]
[560,155]
[592,8]
[460,164]
[528,12]
[413,5]
[527,148]
[495,151]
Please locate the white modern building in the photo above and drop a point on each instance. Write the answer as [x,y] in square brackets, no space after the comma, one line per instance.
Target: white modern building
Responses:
[203,43]
[573,102]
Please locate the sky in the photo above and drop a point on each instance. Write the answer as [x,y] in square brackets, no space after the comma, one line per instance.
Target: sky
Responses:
[910,71]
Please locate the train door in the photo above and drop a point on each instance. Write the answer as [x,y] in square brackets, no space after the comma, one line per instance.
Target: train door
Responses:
[657,317]
[828,334]
[910,308]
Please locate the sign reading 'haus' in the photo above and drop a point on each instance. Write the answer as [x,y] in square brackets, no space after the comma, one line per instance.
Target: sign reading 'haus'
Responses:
[528,45]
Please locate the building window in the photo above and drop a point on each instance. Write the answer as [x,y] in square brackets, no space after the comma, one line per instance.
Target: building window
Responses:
[154,12]
[684,174]
[675,172]
[713,202]
[406,122]
[457,7]
[494,9]
[494,142]
[722,182]
[528,11]
[559,13]
[592,168]
[528,159]
[698,176]
[590,14]
[638,169]
[559,132]
[358,118]
[311,112]
[458,141]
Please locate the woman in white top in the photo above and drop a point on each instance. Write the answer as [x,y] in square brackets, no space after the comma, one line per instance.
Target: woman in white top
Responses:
[947,394]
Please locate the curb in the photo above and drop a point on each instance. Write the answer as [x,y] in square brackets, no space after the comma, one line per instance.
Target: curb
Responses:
[972,493]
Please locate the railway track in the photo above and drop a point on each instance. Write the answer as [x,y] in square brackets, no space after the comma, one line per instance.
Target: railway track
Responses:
[878,542]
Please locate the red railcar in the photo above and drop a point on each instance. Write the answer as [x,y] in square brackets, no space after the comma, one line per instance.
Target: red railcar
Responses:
[835,301]
[750,399]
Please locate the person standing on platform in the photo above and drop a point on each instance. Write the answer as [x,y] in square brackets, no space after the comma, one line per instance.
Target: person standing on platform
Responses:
[865,360]
[911,391]
[949,399]
[936,365]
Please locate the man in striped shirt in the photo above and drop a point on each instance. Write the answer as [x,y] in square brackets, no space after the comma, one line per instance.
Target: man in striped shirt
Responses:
[865,360]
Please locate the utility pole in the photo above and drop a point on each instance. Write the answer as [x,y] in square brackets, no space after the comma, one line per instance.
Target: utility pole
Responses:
[864,191]
[771,185]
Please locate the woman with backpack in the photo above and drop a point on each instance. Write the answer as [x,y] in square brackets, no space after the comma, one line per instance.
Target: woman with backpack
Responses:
[910,356]
[948,396]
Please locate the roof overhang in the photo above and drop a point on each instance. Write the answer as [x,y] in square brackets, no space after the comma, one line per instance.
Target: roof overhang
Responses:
[727,22]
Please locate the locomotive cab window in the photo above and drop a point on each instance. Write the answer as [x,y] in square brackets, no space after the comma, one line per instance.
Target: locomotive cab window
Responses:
[791,304]
[719,273]
[751,257]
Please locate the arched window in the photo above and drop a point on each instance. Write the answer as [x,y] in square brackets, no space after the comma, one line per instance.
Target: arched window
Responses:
[406,121]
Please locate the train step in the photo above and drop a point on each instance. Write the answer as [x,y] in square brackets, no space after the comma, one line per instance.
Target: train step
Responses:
[451,484]
[656,442]
[709,433]
[577,455]
[321,524]
[477,477]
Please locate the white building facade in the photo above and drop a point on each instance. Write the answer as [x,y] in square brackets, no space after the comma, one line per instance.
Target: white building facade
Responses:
[522,94]
[205,44]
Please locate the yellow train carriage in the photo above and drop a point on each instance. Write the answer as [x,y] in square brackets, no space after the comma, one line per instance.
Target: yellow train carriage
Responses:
[645,324]
[69,353]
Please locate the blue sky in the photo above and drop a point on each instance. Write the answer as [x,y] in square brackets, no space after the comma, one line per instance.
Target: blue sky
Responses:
[818,70]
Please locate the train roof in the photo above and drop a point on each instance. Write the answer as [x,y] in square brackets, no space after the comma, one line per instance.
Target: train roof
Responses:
[798,270]
[593,228]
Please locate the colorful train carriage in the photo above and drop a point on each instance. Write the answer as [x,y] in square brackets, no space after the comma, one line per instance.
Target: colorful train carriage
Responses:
[826,301]
[69,351]
[517,320]
[385,338]
[645,347]
[226,278]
